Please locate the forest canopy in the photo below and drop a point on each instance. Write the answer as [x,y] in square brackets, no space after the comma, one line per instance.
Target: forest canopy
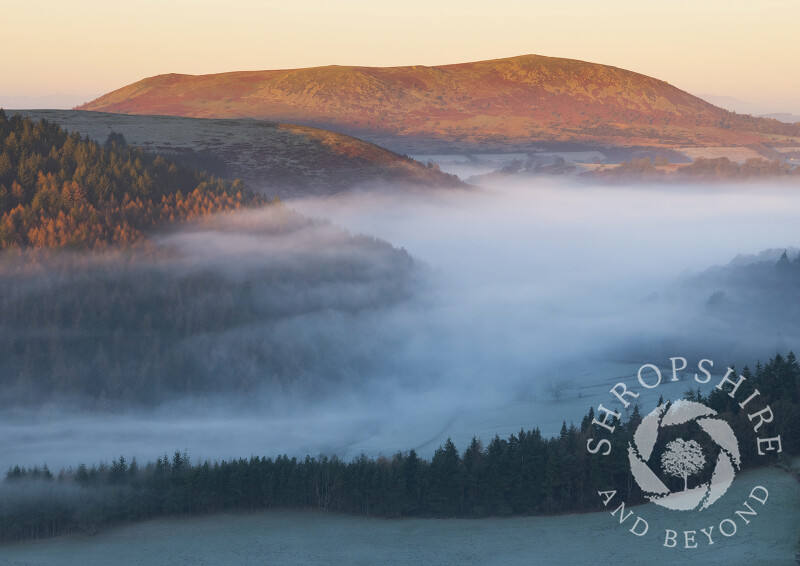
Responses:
[61,190]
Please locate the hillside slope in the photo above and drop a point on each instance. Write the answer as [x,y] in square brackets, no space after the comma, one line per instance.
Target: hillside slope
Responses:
[276,159]
[60,190]
[521,100]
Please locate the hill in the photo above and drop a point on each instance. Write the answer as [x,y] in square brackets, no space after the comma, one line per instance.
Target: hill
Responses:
[58,189]
[286,160]
[520,101]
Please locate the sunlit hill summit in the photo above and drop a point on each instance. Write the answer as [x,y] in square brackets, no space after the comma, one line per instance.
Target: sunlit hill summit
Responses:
[519,101]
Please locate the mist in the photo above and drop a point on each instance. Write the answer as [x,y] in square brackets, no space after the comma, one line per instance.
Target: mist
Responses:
[486,312]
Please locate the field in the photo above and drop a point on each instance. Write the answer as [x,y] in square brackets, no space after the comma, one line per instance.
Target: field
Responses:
[327,538]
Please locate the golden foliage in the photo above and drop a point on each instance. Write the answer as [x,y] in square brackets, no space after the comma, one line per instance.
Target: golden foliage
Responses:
[66,191]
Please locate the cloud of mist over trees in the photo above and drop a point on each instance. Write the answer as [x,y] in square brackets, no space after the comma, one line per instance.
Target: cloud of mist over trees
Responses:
[572,269]
[297,337]
[195,315]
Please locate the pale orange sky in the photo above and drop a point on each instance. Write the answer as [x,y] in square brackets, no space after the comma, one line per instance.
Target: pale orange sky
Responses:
[81,49]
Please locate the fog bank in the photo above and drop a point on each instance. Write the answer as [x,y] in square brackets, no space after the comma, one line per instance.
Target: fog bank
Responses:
[521,307]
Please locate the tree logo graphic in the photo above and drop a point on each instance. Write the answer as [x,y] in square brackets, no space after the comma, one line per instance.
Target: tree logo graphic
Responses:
[683,458]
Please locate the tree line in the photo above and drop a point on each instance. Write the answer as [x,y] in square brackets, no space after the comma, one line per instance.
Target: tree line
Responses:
[525,474]
[718,168]
[61,190]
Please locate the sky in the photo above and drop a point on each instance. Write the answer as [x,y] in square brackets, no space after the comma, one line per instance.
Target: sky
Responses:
[60,54]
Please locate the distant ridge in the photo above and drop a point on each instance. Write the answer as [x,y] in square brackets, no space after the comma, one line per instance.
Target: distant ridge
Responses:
[784,117]
[521,100]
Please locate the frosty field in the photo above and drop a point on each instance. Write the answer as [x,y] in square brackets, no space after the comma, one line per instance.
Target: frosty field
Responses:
[298,538]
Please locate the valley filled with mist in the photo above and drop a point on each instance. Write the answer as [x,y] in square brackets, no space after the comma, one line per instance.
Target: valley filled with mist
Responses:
[358,283]
[380,322]
[399,344]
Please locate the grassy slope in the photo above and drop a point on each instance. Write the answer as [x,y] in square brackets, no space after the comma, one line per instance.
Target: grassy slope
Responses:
[519,100]
[282,159]
[320,538]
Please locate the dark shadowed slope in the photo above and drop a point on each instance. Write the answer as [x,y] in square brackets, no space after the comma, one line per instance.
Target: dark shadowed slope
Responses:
[276,159]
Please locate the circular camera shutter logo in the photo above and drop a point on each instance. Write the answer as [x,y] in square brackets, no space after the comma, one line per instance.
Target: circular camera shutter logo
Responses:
[682,458]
